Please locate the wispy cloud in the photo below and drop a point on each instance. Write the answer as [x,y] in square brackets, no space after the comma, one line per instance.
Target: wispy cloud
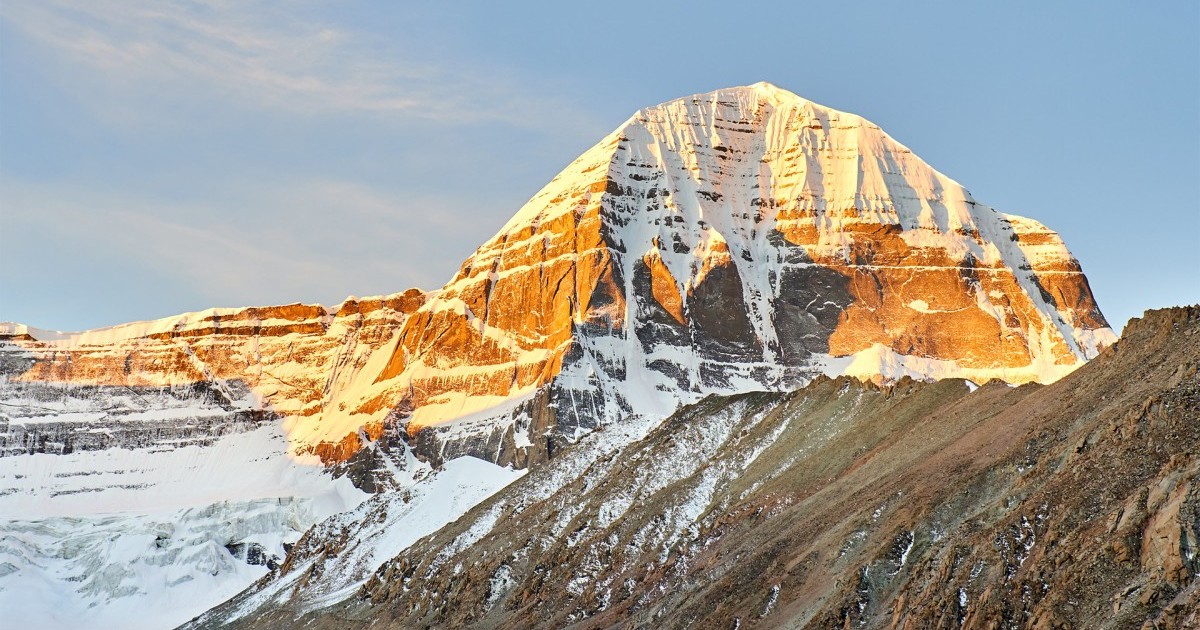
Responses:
[265,56]
[308,241]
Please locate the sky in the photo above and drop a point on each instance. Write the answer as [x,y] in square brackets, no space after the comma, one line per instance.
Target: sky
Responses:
[161,157]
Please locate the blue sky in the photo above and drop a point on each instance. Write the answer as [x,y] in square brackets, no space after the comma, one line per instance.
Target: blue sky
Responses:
[157,158]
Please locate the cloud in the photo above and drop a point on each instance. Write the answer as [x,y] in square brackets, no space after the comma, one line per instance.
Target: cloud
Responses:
[251,153]
[301,241]
[259,55]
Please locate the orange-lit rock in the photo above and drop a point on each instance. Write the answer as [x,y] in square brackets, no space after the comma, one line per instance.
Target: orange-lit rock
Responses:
[297,359]
[664,287]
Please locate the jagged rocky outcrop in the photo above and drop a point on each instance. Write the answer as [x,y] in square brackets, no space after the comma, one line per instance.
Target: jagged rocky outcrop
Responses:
[62,418]
[844,504]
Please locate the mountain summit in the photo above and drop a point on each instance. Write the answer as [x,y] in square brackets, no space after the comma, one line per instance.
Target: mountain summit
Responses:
[738,240]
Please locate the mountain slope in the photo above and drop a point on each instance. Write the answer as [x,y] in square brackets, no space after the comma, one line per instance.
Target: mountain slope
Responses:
[843,504]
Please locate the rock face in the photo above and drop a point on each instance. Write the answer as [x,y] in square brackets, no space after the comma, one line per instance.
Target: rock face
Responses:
[844,504]
[298,362]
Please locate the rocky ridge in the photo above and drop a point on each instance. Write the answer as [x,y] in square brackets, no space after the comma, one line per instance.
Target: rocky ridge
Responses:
[296,362]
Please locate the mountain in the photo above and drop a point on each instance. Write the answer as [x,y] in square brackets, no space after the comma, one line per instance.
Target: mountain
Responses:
[745,239]
[741,240]
[843,504]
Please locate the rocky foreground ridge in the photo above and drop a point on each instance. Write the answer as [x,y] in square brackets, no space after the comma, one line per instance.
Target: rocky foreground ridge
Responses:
[843,504]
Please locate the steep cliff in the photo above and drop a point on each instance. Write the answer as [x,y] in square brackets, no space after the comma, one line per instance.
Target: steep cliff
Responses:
[299,362]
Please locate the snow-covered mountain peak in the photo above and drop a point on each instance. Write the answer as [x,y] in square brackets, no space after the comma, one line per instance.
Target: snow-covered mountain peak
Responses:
[762,92]
[745,238]
[816,158]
